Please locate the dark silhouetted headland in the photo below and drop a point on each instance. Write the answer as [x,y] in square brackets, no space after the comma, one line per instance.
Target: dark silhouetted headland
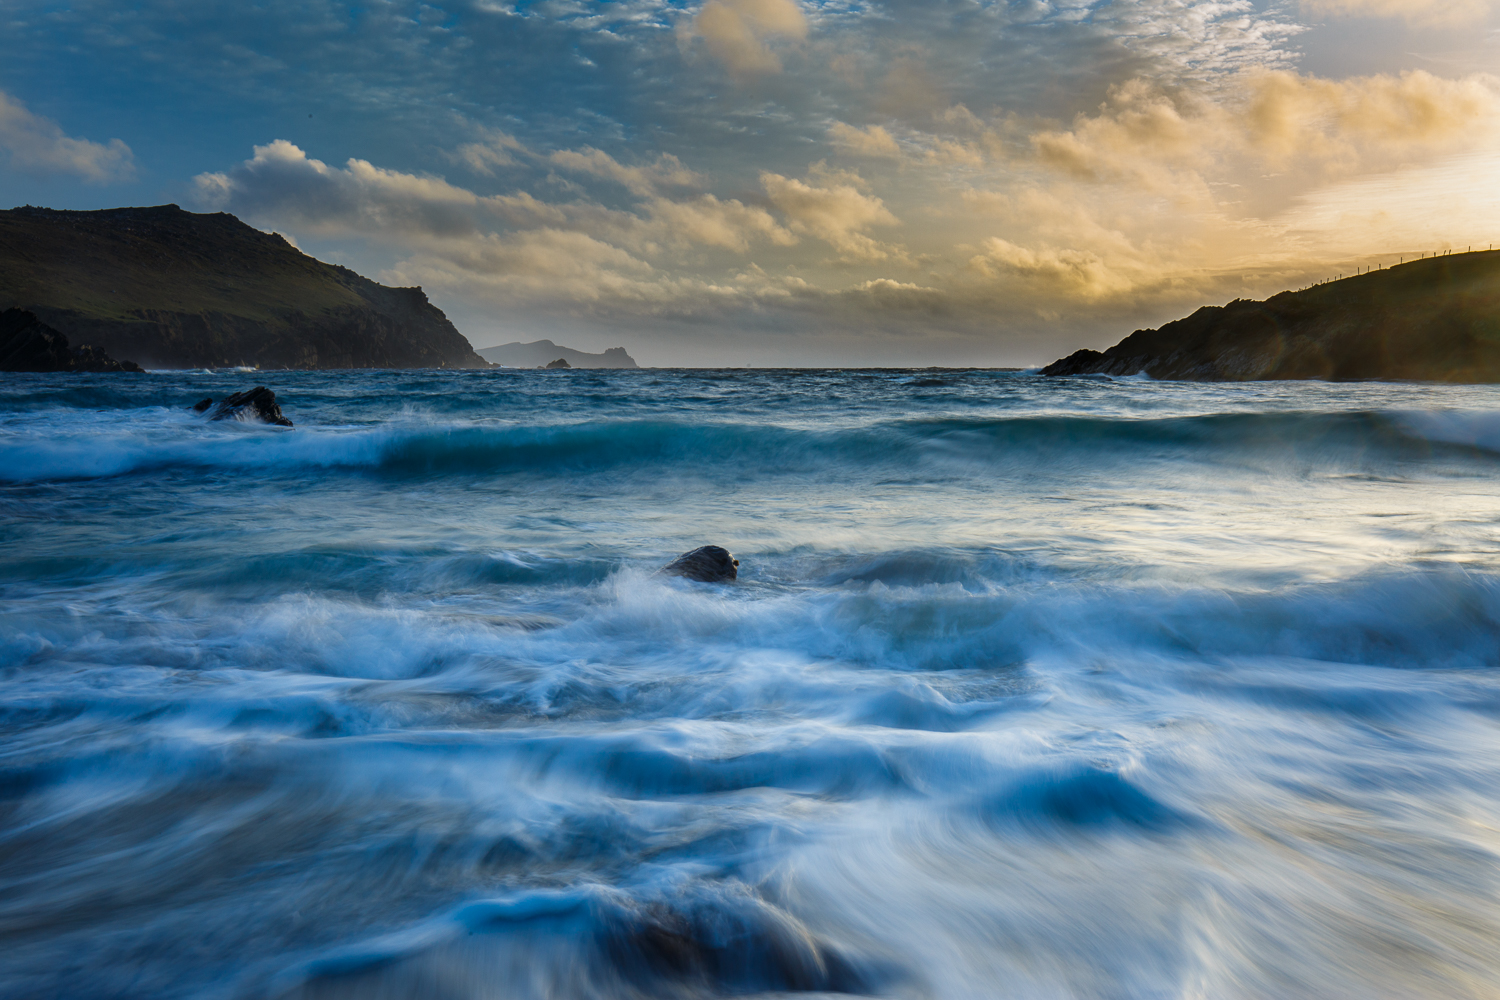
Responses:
[1436,319]
[543,352]
[174,289]
[29,345]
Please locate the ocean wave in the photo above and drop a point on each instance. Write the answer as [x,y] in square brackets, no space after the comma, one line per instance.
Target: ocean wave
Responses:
[73,444]
[853,784]
[719,940]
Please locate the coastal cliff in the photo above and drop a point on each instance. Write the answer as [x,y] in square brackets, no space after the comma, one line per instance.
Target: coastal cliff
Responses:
[174,289]
[29,345]
[1436,320]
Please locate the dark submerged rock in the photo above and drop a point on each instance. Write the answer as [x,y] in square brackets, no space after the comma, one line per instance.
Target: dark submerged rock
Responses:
[203,404]
[721,949]
[29,345]
[706,564]
[257,404]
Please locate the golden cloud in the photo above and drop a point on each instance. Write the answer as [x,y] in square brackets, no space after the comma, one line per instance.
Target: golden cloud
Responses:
[724,223]
[1161,138]
[736,32]
[1077,273]
[837,213]
[873,141]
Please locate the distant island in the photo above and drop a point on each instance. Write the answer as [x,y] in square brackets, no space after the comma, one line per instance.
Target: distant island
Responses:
[1436,319]
[165,288]
[542,353]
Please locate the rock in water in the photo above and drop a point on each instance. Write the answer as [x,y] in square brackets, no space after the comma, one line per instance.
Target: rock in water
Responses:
[203,404]
[559,363]
[29,345]
[257,404]
[707,564]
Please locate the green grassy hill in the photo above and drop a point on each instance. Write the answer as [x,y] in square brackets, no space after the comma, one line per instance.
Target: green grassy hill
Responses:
[173,289]
[1434,320]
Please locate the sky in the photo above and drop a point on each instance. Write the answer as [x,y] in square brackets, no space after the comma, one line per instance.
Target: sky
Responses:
[783,182]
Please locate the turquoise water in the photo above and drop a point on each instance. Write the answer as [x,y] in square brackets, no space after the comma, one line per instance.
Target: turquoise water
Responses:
[1028,688]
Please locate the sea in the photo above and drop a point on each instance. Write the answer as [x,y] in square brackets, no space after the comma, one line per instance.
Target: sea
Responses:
[1029,687]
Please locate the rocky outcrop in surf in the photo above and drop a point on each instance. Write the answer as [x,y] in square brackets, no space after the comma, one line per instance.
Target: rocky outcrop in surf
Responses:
[29,345]
[706,564]
[257,404]
[1436,320]
[175,289]
[559,363]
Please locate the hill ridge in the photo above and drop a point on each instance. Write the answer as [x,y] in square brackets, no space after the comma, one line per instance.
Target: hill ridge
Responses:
[169,288]
[1432,319]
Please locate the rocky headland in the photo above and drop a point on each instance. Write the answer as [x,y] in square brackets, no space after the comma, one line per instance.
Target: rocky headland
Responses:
[1436,319]
[173,289]
[29,345]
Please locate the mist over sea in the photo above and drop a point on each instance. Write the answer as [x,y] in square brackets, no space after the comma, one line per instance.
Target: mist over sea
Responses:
[1031,688]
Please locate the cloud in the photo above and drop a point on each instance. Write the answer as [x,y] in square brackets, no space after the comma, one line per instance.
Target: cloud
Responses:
[872,141]
[1074,272]
[946,151]
[281,185]
[540,263]
[1413,209]
[1194,41]
[498,149]
[1430,12]
[736,32]
[837,213]
[573,273]
[887,294]
[1292,116]
[667,171]
[1138,122]
[1276,118]
[39,145]
[729,223]
[280,182]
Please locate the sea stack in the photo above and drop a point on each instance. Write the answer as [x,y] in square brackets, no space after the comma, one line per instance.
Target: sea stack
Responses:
[257,404]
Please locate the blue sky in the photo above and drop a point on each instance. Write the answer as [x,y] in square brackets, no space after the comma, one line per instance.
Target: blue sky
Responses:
[775,181]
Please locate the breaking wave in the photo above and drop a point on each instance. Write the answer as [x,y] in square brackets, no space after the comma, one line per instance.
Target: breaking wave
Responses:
[124,442]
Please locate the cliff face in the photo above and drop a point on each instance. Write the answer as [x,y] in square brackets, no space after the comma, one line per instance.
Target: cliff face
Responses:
[173,289]
[29,345]
[542,352]
[1434,320]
